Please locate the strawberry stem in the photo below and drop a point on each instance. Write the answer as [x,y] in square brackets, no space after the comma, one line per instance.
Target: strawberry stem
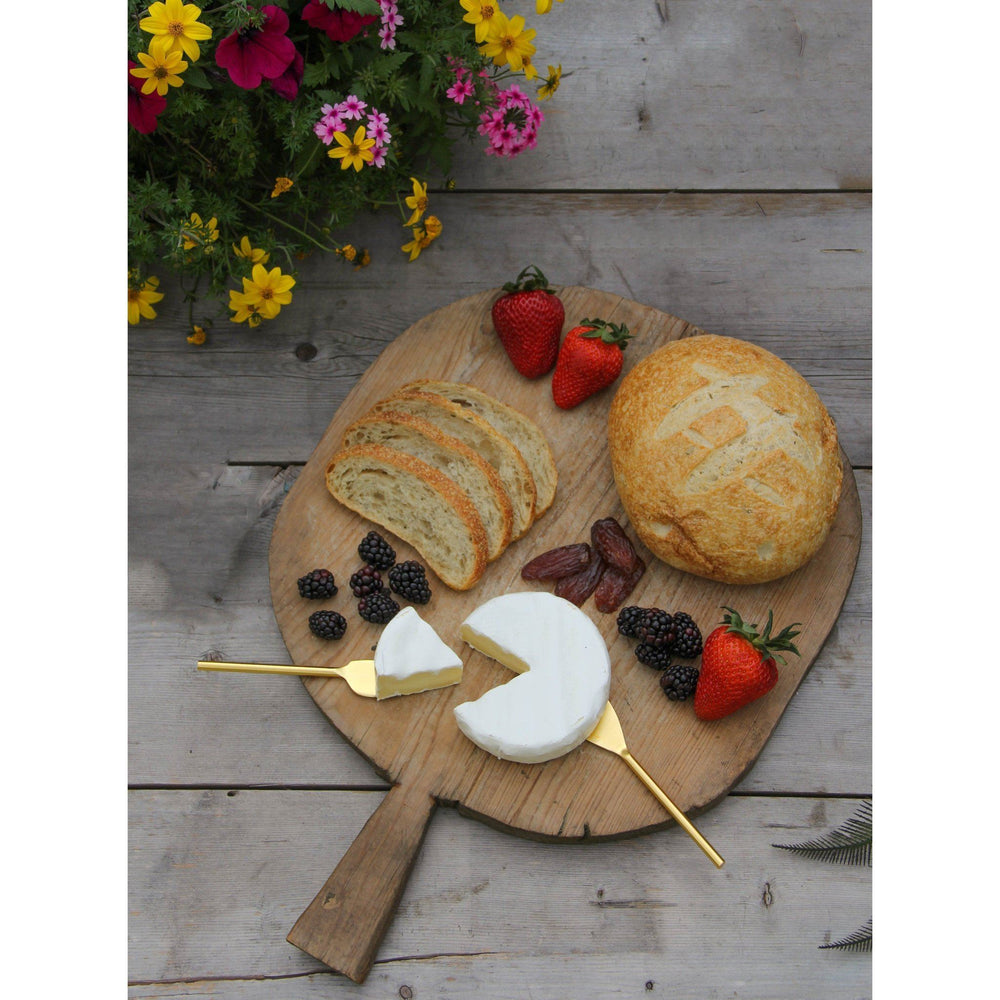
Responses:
[530,279]
[610,333]
[766,644]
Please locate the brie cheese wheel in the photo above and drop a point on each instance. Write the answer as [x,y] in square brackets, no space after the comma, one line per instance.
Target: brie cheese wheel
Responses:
[411,657]
[563,684]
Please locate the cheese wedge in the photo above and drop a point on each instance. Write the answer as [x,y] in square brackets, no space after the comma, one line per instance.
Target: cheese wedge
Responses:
[411,657]
[563,683]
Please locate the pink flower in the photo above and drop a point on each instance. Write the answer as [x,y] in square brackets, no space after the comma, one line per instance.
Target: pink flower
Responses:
[460,90]
[258,53]
[352,107]
[378,156]
[378,131]
[339,25]
[143,109]
[512,126]
[287,85]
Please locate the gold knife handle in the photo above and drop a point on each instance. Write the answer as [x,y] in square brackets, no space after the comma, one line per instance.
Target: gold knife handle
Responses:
[269,668]
[681,819]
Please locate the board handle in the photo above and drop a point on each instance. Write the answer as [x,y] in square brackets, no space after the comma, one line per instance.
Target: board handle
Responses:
[344,925]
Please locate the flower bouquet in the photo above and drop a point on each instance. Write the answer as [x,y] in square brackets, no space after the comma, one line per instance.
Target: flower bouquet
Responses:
[258,131]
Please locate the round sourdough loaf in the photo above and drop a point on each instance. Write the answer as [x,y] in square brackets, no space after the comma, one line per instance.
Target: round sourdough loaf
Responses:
[725,459]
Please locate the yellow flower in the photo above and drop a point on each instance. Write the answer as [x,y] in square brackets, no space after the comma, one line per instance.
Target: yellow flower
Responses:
[480,13]
[281,185]
[141,299]
[175,27]
[198,336]
[348,251]
[266,291]
[199,233]
[363,261]
[551,84]
[417,244]
[251,253]
[508,41]
[529,69]
[432,227]
[159,70]
[245,307]
[543,6]
[354,152]
[417,201]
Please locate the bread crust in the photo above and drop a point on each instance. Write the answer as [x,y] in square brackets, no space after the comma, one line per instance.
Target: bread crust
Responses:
[725,459]
[425,485]
[503,454]
[526,435]
[386,427]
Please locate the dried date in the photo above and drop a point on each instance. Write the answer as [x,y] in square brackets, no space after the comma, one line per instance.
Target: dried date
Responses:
[579,586]
[613,545]
[614,586]
[557,563]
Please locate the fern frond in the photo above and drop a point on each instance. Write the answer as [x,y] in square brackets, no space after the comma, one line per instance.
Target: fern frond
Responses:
[850,844]
[860,940]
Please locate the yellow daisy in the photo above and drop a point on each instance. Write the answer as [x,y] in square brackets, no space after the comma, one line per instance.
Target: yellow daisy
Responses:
[141,299]
[159,70]
[354,152]
[417,202]
[175,27]
[480,13]
[253,254]
[508,41]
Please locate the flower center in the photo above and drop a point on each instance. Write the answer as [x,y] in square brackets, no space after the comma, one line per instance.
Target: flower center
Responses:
[160,72]
[488,10]
[175,28]
[133,295]
[354,149]
[267,293]
[507,42]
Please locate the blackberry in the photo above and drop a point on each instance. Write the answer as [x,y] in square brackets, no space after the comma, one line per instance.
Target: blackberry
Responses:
[409,580]
[366,581]
[317,585]
[376,551]
[656,628]
[327,624]
[688,642]
[679,681]
[378,608]
[628,621]
[657,657]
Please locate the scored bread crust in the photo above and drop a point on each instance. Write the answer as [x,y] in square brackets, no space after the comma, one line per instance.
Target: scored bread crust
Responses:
[725,459]
[473,474]
[524,432]
[416,502]
[483,438]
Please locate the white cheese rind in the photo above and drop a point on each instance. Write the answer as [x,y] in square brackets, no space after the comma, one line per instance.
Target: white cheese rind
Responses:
[563,683]
[411,657]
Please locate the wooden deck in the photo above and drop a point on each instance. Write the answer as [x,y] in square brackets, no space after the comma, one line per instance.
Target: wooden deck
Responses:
[713,161]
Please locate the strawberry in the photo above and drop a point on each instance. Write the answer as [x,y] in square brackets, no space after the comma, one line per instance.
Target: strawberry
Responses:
[738,665]
[589,360]
[529,319]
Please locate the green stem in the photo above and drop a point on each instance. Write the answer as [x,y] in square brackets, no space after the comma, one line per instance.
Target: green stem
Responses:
[283,222]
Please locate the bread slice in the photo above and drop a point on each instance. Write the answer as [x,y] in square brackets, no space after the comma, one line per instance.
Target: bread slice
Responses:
[416,502]
[483,438]
[524,432]
[420,438]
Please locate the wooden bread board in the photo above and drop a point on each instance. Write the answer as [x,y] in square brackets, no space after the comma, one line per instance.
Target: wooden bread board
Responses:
[414,743]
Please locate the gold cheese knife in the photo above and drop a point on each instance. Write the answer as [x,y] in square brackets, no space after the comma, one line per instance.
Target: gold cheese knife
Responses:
[607,734]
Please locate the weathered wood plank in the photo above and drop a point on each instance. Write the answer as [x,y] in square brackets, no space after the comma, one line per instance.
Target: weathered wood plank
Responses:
[720,94]
[199,585]
[790,272]
[217,880]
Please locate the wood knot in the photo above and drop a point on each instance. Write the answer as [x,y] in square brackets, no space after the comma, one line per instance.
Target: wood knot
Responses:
[305,352]
[766,896]
[406,993]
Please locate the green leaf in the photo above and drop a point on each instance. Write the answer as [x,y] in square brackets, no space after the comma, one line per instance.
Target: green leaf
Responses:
[357,6]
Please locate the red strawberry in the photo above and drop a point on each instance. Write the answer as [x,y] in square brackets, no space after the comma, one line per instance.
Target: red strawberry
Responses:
[589,360]
[529,319]
[738,665]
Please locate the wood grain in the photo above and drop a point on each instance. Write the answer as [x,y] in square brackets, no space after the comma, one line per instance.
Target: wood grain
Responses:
[415,741]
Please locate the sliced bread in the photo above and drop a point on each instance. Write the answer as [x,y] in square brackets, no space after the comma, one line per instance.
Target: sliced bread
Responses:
[422,439]
[483,438]
[416,502]
[524,432]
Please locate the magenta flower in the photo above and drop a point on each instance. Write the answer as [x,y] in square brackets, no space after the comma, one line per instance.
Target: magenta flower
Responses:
[143,109]
[461,89]
[257,54]
[339,25]
[512,126]
[287,85]
[352,107]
